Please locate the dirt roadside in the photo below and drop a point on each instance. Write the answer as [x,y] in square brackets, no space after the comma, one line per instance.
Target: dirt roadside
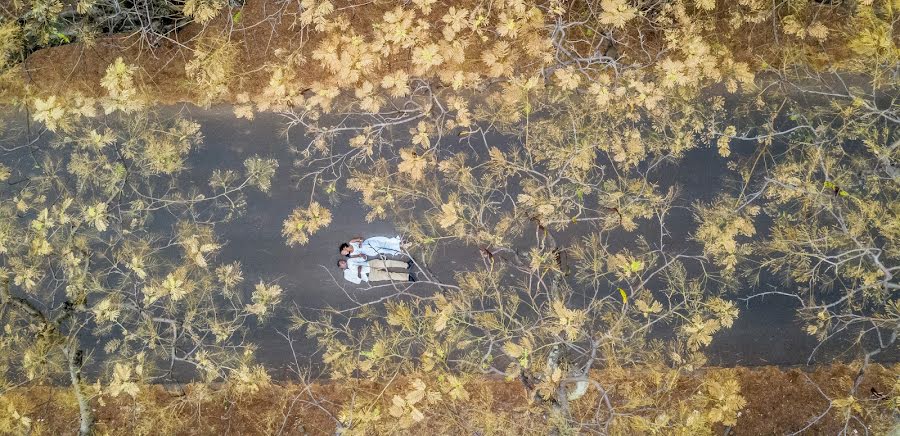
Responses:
[779,401]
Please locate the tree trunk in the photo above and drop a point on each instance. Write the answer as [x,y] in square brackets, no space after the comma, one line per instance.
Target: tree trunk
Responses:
[84,405]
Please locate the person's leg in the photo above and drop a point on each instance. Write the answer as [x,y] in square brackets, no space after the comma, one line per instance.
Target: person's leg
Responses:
[385,246]
[393,244]
[380,270]
[378,264]
[395,264]
[380,275]
[399,277]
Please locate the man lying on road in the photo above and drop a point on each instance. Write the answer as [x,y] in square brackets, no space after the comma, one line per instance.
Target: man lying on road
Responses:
[378,270]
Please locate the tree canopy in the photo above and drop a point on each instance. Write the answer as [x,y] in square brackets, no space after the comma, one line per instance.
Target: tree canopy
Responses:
[540,135]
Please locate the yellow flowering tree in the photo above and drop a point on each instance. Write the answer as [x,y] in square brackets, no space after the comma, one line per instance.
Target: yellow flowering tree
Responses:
[87,280]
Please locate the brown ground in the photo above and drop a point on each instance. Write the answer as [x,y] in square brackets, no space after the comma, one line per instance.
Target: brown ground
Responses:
[265,31]
[779,401]
[78,67]
[268,29]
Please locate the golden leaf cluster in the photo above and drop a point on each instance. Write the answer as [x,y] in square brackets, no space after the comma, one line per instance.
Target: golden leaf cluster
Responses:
[303,222]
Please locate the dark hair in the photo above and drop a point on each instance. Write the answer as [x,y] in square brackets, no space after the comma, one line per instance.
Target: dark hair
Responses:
[339,262]
[343,246]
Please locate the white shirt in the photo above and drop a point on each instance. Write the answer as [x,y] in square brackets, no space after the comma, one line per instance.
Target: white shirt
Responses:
[352,273]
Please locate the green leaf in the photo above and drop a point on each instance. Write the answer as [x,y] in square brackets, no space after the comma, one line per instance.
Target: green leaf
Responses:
[636,266]
[236,18]
[61,36]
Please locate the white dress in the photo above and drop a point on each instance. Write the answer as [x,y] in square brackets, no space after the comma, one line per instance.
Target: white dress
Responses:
[377,246]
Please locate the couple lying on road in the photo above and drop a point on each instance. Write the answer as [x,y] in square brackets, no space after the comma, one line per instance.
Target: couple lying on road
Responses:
[365,260]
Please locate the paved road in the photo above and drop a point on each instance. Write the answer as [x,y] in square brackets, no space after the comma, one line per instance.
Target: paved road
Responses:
[765,333]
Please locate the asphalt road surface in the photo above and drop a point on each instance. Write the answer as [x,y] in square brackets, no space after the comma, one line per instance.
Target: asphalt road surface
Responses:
[766,333]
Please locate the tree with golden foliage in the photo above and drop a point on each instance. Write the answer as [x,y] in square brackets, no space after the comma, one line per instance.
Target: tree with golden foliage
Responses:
[109,255]
[533,133]
[590,115]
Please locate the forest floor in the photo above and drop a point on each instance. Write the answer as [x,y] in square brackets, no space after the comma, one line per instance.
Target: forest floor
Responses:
[266,32]
[779,401]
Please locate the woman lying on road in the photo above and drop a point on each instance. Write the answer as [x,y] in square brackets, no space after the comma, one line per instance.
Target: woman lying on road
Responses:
[374,247]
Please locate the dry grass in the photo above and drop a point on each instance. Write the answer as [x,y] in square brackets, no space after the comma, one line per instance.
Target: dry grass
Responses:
[268,30]
[779,401]
[78,67]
